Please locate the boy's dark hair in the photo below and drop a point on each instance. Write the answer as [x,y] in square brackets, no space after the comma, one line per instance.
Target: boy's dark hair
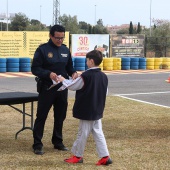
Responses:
[96,55]
[57,28]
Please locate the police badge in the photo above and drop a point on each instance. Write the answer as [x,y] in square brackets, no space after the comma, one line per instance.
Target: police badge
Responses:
[50,55]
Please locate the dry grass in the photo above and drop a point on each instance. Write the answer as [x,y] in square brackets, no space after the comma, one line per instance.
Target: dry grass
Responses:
[137,134]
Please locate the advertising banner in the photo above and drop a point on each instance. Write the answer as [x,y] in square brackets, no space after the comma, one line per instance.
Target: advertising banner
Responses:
[83,43]
[34,39]
[23,43]
[127,45]
[12,44]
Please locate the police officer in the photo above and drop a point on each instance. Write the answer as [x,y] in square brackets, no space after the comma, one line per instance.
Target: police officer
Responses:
[51,59]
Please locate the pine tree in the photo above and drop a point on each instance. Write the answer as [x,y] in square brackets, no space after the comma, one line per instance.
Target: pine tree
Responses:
[139,28]
[90,29]
[131,28]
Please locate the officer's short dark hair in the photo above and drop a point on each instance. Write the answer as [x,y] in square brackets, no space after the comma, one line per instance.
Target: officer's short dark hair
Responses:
[57,28]
[96,55]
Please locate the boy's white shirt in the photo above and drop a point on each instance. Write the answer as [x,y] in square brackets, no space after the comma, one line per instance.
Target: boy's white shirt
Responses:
[73,85]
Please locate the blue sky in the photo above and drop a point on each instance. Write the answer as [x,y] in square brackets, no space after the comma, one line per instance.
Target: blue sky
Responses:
[112,12]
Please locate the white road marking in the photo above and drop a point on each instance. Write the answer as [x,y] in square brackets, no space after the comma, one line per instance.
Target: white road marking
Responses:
[144,102]
[140,93]
[124,96]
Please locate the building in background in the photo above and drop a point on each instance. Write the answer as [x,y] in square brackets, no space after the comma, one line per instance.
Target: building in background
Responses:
[4,17]
[114,29]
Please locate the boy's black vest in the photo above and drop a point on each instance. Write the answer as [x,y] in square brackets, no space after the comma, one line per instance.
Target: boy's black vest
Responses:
[90,100]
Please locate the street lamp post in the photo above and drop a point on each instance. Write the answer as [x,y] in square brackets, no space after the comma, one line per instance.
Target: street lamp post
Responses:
[40,13]
[95,16]
[7,17]
[150,16]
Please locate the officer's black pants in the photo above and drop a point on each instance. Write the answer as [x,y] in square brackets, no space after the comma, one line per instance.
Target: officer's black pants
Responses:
[47,98]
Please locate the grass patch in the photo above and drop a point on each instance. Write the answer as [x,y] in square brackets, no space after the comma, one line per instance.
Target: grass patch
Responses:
[137,135]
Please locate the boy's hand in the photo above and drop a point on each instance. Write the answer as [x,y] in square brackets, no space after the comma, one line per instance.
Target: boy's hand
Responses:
[74,75]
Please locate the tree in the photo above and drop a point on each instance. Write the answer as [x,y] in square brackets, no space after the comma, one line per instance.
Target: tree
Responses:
[154,26]
[35,22]
[90,29]
[100,22]
[139,28]
[159,41]
[36,28]
[3,26]
[93,30]
[123,31]
[36,25]
[99,28]
[131,28]
[19,22]
[84,26]
[161,28]
[105,31]
[70,23]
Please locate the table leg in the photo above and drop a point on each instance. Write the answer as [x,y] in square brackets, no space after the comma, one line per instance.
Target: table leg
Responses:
[24,114]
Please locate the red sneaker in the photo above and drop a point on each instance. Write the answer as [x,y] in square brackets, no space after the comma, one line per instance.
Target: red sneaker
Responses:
[74,159]
[104,161]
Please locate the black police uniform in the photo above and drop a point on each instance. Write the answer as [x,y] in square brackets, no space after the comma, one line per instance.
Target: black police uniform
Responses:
[50,58]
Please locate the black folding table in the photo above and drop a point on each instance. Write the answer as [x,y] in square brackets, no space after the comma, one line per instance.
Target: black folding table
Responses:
[12,98]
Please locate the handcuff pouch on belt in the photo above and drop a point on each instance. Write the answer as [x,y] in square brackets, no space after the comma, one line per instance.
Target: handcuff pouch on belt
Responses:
[39,84]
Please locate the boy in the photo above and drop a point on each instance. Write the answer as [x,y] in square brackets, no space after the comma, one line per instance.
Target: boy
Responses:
[91,89]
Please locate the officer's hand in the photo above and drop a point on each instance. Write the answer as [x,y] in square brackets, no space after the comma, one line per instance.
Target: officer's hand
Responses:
[53,76]
[74,75]
[60,78]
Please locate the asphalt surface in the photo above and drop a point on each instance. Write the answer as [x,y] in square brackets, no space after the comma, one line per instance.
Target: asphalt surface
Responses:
[146,87]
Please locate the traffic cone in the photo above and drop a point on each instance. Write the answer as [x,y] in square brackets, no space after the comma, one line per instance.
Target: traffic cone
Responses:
[168,80]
